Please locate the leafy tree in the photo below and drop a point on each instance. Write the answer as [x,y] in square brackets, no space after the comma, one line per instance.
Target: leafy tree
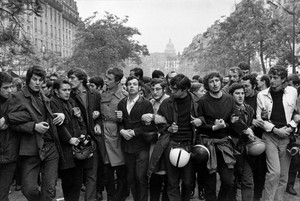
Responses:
[251,30]
[13,39]
[106,42]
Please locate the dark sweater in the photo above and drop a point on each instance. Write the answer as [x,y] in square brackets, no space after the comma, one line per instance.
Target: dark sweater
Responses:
[38,98]
[184,119]
[217,108]
[252,102]
[277,115]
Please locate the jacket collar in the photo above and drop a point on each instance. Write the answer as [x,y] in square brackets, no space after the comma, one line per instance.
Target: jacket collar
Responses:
[267,92]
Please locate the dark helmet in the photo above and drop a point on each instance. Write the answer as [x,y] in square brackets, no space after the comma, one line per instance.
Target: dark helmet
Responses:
[150,136]
[84,149]
[255,146]
[200,154]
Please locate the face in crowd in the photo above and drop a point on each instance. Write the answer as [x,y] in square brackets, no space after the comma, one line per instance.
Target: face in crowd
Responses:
[75,82]
[64,91]
[6,89]
[276,82]
[35,83]
[46,90]
[157,91]
[234,76]
[133,87]
[110,81]
[239,96]
[214,85]
[249,89]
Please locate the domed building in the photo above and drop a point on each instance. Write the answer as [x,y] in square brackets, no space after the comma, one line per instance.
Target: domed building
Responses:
[170,50]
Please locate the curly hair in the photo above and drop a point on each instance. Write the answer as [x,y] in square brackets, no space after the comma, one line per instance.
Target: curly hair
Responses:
[209,76]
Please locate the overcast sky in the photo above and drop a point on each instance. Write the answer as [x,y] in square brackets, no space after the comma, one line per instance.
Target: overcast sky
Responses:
[161,20]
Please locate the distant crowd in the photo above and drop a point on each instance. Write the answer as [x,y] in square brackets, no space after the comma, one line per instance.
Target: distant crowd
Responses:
[165,138]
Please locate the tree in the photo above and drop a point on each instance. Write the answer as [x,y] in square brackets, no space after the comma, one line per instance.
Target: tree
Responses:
[13,39]
[104,43]
[251,30]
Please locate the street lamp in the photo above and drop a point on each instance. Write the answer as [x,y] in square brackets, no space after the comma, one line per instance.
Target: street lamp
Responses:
[275,4]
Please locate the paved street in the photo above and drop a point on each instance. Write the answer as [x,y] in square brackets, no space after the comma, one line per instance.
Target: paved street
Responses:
[17,195]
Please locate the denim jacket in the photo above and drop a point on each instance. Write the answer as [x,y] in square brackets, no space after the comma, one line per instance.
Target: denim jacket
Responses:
[265,102]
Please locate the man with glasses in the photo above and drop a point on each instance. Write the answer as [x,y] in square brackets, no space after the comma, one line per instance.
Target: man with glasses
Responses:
[159,177]
[180,112]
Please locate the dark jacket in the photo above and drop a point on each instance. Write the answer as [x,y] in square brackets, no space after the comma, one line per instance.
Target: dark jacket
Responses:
[134,122]
[72,127]
[93,104]
[9,144]
[168,109]
[31,142]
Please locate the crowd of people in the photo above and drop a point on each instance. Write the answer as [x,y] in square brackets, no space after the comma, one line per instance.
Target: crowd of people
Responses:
[123,135]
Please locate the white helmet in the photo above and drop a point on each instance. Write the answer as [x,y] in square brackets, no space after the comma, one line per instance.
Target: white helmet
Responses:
[179,157]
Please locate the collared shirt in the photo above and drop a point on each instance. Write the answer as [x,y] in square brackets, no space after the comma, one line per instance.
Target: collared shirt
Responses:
[130,103]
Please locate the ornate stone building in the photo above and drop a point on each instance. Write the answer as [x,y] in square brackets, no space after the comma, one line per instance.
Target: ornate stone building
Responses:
[55,29]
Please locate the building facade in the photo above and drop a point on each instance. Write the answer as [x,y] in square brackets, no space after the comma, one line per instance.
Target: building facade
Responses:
[53,31]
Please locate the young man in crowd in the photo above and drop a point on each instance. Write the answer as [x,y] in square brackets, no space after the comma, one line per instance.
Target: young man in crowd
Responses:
[158,177]
[114,162]
[257,163]
[294,81]
[263,82]
[216,131]
[88,100]
[96,83]
[235,75]
[139,73]
[251,185]
[276,107]
[158,74]
[39,142]
[180,112]
[71,169]
[47,89]
[8,140]
[53,77]
[131,127]
[245,67]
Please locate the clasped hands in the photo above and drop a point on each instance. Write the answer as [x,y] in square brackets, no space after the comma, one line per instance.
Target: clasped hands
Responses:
[127,133]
